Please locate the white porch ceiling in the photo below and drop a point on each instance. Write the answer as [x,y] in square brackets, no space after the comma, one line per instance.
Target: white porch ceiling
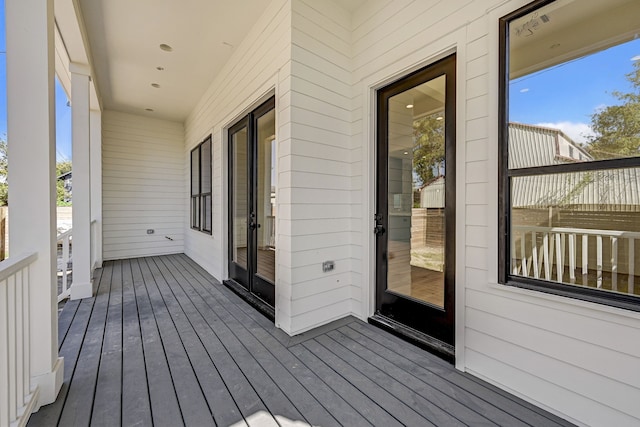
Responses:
[125,36]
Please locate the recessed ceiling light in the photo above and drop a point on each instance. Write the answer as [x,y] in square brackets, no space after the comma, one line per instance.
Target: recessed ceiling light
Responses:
[166,47]
[160,68]
[149,110]
[156,85]
[409,105]
[439,118]
[406,152]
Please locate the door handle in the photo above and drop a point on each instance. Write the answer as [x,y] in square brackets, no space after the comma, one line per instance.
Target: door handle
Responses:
[379,230]
[252,225]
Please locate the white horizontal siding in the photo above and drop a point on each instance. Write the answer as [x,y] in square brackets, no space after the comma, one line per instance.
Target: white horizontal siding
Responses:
[315,167]
[576,359]
[142,186]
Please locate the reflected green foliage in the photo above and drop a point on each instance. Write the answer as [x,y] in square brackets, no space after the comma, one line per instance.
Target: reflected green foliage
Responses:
[4,191]
[617,127]
[62,194]
[428,148]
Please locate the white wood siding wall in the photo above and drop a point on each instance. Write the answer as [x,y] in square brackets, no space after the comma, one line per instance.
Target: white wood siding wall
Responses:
[578,359]
[143,186]
[315,179]
[252,74]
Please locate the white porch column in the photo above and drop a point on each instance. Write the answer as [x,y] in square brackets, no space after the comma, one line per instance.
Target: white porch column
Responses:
[95,121]
[81,286]
[32,197]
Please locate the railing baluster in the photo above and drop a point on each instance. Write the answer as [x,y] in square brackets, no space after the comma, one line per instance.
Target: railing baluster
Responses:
[534,256]
[523,255]
[585,258]
[4,356]
[572,258]
[26,323]
[19,341]
[559,256]
[513,256]
[65,263]
[11,293]
[552,248]
[632,264]
[599,260]
[614,263]
[545,255]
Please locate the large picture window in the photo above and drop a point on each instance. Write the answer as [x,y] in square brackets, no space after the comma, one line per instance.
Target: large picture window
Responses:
[570,149]
[201,187]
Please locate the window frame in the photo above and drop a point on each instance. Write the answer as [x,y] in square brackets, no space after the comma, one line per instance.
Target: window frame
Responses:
[197,216]
[505,175]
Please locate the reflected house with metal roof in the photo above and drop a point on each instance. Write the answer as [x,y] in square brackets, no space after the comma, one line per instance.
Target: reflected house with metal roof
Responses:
[533,146]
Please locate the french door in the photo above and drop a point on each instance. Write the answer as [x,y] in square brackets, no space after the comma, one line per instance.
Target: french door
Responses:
[252,202]
[415,202]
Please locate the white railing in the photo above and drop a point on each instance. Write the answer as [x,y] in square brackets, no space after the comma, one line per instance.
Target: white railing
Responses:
[539,247]
[94,245]
[63,263]
[17,395]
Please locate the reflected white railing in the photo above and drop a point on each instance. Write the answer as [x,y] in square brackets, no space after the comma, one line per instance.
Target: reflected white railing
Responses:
[540,247]
[270,231]
[16,393]
[65,263]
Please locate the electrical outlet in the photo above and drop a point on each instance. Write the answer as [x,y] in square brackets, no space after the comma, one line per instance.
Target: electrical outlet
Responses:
[150,231]
[327,266]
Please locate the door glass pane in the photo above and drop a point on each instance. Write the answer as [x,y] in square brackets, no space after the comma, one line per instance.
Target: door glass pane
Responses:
[266,196]
[239,196]
[416,193]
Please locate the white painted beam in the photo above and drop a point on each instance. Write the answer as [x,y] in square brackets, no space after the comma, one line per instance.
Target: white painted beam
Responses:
[81,286]
[32,197]
[95,144]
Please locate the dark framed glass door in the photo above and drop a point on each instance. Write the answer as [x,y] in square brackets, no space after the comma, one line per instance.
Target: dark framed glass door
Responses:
[415,202]
[252,202]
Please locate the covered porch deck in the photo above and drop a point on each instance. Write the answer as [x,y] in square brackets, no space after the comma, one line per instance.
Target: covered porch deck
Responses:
[163,343]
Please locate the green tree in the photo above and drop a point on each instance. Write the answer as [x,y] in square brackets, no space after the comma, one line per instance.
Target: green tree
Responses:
[62,194]
[428,151]
[617,127]
[61,168]
[4,187]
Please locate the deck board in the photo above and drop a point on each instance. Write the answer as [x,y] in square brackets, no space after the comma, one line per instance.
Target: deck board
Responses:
[164,343]
[136,407]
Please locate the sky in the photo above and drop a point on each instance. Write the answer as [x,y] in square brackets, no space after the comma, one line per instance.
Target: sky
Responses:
[63,111]
[566,96]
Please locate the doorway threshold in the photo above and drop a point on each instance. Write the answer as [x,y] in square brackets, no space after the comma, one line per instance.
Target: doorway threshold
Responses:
[262,307]
[432,345]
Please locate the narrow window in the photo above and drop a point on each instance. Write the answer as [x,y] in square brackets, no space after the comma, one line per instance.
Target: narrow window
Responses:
[201,216]
[570,149]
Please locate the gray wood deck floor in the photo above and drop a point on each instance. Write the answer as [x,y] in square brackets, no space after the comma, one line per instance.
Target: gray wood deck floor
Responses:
[163,343]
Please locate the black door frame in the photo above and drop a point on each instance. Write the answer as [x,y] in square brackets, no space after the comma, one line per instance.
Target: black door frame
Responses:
[246,282]
[430,326]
